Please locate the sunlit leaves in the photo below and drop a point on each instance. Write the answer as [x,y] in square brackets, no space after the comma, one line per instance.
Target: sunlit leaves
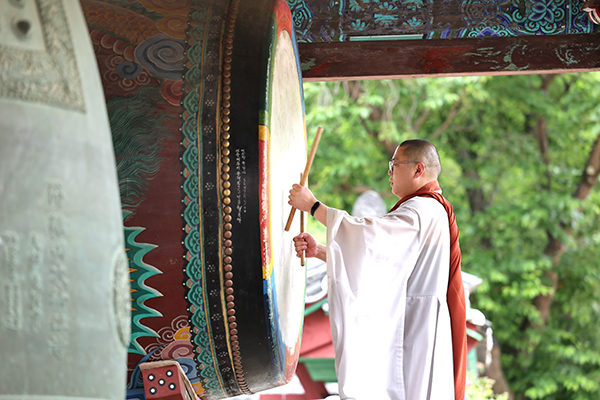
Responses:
[508,198]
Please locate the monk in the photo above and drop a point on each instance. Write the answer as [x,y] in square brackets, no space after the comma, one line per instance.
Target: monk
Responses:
[397,303]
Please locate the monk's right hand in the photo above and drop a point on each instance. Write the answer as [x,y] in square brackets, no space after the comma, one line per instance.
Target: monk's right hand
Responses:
[307,243]
[301,198]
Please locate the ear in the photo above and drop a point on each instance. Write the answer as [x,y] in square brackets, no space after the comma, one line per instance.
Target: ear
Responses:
[419,170]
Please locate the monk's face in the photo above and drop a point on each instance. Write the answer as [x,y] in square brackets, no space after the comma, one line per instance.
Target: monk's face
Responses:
[402,174]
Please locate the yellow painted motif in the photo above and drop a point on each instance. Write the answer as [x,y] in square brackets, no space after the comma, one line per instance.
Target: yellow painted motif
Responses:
[182,334]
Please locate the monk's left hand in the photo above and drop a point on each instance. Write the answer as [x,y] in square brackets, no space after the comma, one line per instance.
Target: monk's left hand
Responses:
[301,198]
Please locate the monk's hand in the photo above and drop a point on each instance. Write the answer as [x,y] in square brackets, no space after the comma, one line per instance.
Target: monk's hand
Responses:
[307,243]
[301,198]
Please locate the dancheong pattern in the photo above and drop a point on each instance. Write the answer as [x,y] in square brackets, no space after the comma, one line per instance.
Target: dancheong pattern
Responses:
[347,19]
[203,40]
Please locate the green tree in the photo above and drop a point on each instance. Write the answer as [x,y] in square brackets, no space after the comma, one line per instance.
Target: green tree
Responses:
[520,158]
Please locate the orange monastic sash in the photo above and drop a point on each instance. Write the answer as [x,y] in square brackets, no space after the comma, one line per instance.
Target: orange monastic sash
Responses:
[456,292]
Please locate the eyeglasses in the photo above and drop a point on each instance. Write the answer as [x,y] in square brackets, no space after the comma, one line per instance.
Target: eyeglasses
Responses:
[392,163]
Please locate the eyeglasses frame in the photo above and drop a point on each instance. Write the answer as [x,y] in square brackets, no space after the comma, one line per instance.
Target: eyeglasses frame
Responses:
[392,163]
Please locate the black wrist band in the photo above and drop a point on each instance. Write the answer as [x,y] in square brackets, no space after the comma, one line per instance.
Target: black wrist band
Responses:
[314,208]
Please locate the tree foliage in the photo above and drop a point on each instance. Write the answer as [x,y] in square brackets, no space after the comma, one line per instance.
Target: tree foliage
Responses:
[519,165]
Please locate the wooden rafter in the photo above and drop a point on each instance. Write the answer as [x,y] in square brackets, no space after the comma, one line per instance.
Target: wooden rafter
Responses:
[450,57]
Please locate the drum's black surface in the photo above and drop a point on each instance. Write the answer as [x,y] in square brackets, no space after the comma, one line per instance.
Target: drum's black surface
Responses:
[242,304]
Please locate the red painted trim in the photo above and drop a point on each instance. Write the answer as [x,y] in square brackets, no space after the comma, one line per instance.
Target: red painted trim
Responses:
[265,203]
[283,16]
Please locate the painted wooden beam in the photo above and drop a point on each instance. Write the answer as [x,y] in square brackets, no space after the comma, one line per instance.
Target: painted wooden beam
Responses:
[342,20]
[487,55]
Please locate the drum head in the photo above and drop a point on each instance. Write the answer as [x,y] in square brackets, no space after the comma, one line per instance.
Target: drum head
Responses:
[282,143]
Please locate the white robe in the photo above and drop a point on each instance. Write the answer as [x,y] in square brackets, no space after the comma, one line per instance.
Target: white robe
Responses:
[390,323]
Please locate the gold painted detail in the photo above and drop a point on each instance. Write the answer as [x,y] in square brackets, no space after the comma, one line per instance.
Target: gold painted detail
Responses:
[48,76]
[225,134]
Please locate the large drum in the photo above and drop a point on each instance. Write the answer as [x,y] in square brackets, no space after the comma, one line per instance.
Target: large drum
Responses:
[205,104]
[64,290]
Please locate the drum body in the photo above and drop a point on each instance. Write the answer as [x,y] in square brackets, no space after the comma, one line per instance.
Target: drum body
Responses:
[206,109]
[64,290]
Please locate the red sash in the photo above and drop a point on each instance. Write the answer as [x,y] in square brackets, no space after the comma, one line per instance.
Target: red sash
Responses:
[456,292]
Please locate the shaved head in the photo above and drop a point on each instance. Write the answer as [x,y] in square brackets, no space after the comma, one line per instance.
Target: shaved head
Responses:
[423,151]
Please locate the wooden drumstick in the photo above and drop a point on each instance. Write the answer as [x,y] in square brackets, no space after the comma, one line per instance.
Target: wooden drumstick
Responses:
[302,257]
[311,157]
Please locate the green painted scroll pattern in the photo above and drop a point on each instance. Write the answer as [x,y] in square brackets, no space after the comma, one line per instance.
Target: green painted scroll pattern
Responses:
[137,133]
[192,101]
[139,271]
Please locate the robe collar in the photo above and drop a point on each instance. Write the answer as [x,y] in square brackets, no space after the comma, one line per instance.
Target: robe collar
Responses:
[431,187]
